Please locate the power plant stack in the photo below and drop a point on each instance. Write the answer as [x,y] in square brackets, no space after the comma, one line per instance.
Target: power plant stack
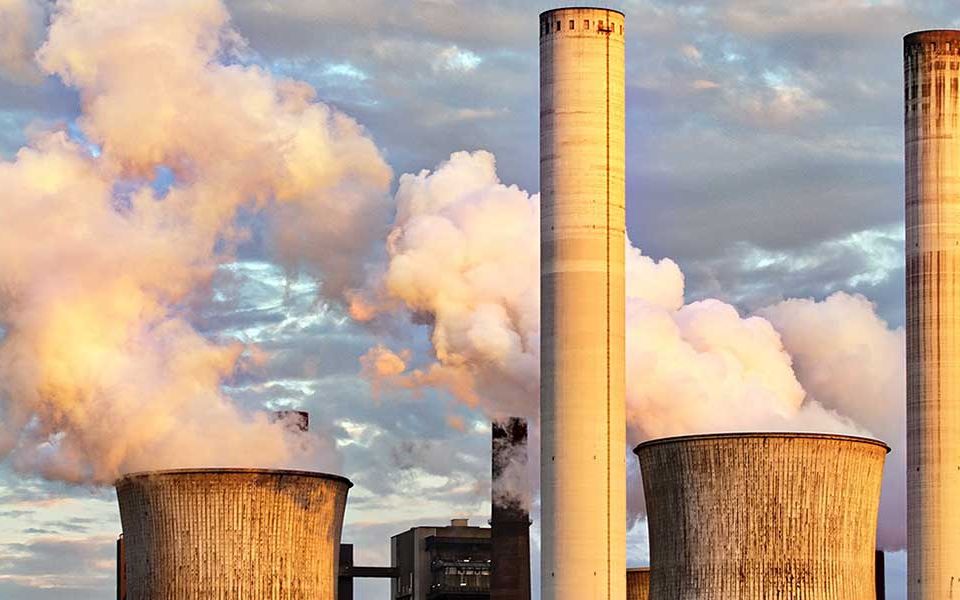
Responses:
[762,515]
[583,426]
[510,514]
[256,534]
[931,63]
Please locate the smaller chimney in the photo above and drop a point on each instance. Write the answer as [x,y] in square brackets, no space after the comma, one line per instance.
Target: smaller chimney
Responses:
[121,570]
[880,576]
[510,508]
[295,420]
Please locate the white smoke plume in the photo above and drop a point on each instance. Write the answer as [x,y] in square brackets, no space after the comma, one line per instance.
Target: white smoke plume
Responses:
[463,259]
[101,371]
[22,26]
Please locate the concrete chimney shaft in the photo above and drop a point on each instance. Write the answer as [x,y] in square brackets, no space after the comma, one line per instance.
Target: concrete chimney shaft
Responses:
[931,70]
[583,430]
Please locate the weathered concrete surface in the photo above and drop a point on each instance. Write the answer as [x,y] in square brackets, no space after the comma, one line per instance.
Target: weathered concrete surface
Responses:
[931,70]
[762,516]
[638,584]
[231,534]
[583,471]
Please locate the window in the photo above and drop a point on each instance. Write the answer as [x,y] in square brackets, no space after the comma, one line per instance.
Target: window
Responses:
[558,25]
[586,25]
[571,25]
[621,30]
[926,90]
[600,25]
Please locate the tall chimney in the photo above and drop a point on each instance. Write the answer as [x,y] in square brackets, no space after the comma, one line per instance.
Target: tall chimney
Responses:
[583,426]
[933,306]
[510,514]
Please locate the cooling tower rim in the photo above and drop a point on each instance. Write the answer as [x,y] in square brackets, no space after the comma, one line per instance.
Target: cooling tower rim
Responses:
[922,33]
[233,471]
[761,435]
[562,8]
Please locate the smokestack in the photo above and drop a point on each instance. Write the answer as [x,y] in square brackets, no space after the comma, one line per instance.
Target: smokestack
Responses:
[121,571]
[881,576]
[255,534]
[755,516]
[583,426]
[933,292]
[297,421]
[510,514]
[638,584]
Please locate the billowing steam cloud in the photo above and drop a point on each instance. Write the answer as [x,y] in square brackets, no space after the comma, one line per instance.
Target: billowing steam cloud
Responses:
[463,258]
[101,259]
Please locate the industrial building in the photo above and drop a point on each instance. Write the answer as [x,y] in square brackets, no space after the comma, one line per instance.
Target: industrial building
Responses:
[931,62]
[256,534]
[510,511]
[755,516]
[582,312]
[441,563]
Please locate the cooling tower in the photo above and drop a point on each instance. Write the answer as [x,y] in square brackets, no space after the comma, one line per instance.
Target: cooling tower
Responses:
[762,515]
[510,511]
[638,584]
[583,427]
[931,68]
[234,534]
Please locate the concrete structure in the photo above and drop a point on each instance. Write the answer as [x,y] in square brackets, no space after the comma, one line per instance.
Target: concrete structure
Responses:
[638,584]
[349,571]
[583,430]
[441,563]
[510,511]
[756,516]
[195,534]
[931,69]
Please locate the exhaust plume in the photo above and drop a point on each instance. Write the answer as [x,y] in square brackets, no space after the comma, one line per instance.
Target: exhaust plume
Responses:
[463,258]
[109,239]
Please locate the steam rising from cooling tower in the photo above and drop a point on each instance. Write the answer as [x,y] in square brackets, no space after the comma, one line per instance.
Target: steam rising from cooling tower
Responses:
[110,237]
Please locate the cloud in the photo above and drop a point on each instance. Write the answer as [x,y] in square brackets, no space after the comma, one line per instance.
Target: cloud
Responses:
[22,24]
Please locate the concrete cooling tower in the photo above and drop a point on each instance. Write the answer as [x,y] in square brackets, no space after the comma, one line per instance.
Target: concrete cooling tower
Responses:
[932,104]
[757,516]
[233,534]
[583,422]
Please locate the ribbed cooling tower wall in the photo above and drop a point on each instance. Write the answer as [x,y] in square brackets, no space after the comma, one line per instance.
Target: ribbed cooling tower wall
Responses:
[761,516]
[932,105]
[582,411]
[232,534]
[638,584]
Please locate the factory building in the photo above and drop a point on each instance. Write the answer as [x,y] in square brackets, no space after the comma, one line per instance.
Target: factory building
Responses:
[256,534]
[931,70]
[762,515]
[583,425]
[441,563]
[510,511]
[638,583]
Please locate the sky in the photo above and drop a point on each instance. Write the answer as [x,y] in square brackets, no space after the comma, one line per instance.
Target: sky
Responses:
[764,158]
